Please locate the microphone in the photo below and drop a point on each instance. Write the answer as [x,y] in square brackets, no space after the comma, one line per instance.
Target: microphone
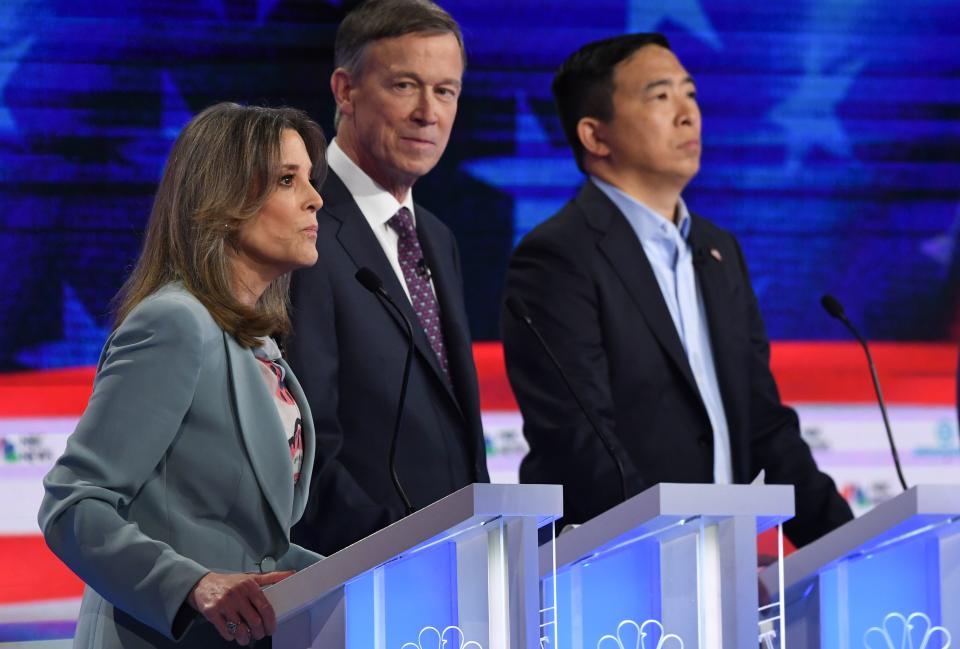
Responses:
[372,282]
[519,311]
[833,307]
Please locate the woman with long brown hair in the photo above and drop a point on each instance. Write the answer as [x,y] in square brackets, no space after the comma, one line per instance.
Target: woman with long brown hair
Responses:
[175,496]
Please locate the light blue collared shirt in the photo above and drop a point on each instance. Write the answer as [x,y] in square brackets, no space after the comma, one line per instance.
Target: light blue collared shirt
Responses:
[668,249]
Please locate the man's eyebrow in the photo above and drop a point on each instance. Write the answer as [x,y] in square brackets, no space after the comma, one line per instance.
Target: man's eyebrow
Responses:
[656,84]
[666,82]
[452,81]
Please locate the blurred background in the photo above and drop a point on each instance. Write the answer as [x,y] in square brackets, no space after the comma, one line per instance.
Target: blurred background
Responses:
[831,140]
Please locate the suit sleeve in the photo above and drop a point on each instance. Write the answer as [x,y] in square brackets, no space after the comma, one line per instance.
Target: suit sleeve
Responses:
[143,389]
[562,301]
[334,494]
[777,447]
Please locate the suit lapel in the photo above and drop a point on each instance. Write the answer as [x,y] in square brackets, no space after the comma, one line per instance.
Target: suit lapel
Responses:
[364,249]
[619,243]
[262,431]
[357,239]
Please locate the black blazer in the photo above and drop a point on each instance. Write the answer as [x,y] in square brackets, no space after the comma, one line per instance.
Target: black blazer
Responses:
[589,287]
[348,351]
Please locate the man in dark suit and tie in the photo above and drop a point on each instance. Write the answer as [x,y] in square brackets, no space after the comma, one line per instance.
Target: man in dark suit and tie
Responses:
[399,67]
[649,309]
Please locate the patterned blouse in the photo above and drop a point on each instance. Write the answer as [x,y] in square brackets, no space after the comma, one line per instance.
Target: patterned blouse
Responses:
[274,375]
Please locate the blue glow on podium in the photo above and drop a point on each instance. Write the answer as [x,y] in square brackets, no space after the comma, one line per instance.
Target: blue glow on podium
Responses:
[421,590]
[889,598]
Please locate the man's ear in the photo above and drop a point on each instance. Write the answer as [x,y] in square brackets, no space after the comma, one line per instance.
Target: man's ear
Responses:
[592,136]
[342,86]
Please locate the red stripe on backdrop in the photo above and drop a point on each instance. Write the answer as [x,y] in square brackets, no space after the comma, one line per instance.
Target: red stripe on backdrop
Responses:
[830,372]
[911,373]
[47,393]
[31,572]
[823,372]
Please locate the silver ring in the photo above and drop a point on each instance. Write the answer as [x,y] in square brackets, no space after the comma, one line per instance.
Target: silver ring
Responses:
[231,628]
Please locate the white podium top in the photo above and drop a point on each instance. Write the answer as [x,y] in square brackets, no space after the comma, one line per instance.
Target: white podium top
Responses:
[911,513]
[665,504]
[472,506]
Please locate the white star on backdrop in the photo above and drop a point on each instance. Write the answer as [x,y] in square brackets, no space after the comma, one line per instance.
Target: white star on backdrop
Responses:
[145,153]
[647,15]
[219,7]
[9,60]
[943,247]
[81,342]
[808,115]
[264,9]
[536,165]
[175,113]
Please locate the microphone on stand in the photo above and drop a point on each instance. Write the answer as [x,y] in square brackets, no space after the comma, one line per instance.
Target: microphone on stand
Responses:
[833,307]
[519,311]
[372,282]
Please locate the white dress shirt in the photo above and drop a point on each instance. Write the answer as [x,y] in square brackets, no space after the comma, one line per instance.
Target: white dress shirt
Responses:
[667,247]
[377,205]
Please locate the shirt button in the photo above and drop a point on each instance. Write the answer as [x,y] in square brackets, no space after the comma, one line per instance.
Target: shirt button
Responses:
[268,564]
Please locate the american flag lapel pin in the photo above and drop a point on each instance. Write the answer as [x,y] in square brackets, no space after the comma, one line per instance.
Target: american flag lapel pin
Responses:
[716,254]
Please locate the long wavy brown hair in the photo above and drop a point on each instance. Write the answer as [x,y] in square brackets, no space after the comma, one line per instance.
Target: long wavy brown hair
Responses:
[219,174]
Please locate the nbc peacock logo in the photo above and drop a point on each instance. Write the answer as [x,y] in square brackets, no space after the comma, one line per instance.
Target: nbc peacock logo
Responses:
[452,637]
[649,635]
[898,631]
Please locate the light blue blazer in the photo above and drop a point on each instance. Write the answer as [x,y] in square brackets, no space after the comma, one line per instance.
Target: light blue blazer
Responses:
[179,466]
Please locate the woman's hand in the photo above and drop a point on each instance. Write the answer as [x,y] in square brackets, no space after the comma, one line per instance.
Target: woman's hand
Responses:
[235,604]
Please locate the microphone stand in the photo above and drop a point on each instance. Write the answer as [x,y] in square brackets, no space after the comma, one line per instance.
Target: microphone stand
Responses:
[374,284]
[833,307]
[518,310]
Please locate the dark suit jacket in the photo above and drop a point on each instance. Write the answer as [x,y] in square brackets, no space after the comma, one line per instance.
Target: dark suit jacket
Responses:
[348,350]
[590,289]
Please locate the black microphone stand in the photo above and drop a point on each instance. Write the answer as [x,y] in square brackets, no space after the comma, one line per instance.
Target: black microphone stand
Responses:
[518,310]
[374,284]
[833,307]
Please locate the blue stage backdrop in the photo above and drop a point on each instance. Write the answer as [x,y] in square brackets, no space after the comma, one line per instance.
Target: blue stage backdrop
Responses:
[831,134]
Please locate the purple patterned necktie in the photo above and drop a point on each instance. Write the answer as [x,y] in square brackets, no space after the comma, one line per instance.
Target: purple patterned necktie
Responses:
[417,276]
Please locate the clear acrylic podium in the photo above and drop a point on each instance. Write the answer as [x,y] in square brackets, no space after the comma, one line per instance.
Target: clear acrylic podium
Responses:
[674,567]
[461,573]
[887,580]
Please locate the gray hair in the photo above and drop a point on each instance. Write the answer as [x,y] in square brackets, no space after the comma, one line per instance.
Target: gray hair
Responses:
[378,19]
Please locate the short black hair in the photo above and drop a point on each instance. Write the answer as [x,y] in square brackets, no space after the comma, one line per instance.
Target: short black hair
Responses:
[583,85]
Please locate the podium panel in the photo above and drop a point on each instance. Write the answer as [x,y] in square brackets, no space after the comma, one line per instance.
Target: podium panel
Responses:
[459,574]
[887,580]
[672,568]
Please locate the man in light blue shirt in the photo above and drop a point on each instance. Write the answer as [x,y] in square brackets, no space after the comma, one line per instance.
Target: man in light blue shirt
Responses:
[649,309]
[668,251]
